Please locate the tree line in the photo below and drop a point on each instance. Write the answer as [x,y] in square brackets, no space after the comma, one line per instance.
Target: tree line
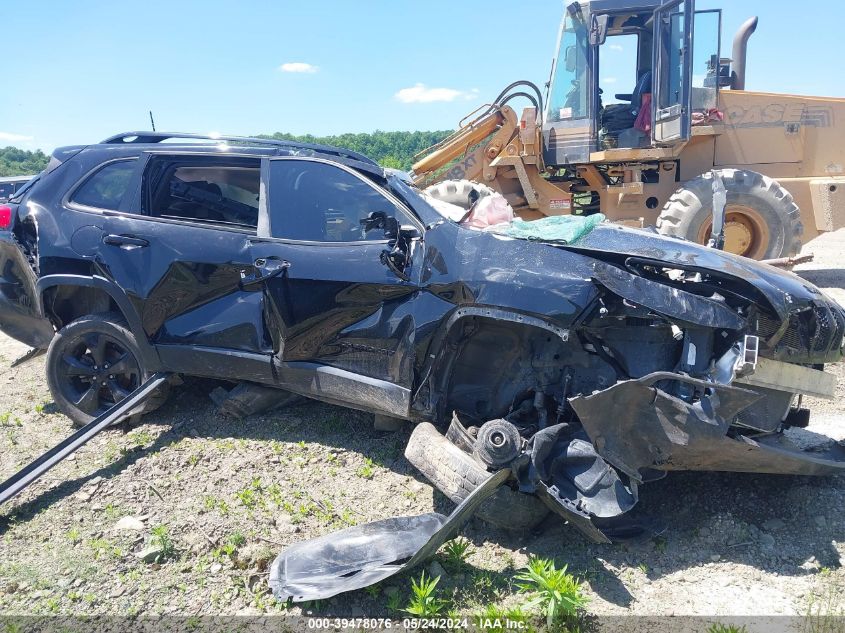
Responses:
[20,162]
[390,149]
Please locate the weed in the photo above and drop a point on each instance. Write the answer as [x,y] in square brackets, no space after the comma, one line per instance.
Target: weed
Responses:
[456,552]
[394,602]
[103,547]
[161,538]
[726,628]
[373,591]
[424,603]
[643,568]
[73,535]
[112,511]
[141,437]
[558,594]
[367,470]
[39,408]
[236,538]
[824,608]
[194,459]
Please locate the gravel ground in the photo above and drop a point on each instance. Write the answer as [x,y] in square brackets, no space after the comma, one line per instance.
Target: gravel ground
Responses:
[233,494]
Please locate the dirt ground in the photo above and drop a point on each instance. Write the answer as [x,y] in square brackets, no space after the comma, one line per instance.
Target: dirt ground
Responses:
[231,495]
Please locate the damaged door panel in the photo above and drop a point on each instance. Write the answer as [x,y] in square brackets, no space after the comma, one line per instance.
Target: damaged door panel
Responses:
[183,255]
[335,303]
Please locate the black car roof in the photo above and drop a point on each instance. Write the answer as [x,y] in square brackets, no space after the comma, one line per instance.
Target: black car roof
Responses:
[271,147]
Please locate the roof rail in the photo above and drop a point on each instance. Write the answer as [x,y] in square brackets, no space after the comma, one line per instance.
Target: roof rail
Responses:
[158,137]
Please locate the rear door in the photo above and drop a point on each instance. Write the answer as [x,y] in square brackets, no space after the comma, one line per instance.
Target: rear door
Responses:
[673,37]
[181,253]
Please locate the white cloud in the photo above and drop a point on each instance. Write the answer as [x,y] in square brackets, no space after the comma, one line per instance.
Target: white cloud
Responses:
[421,93]
[609,80]
[616,47]
[14,138]
[298,67]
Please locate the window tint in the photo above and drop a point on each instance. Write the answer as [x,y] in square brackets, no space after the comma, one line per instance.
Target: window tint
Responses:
[6,190]
[317,202]
[106,188]
[212,193]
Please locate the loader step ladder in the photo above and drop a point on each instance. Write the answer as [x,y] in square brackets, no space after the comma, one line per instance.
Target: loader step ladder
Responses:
[29,473]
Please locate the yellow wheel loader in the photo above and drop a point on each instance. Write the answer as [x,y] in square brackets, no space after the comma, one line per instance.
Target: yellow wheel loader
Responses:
[649,157]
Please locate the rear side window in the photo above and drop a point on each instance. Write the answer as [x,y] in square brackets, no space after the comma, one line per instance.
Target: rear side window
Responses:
[318,202]
[6,190]
[106,187]
[210,191]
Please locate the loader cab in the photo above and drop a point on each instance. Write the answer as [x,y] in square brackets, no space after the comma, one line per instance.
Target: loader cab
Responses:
[629,74]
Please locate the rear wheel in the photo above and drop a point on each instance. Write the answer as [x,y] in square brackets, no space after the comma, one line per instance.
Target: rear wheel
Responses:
[92,364]
[762,220]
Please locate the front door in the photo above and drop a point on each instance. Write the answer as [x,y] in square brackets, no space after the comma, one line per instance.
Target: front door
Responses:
[335,312]
[673,37]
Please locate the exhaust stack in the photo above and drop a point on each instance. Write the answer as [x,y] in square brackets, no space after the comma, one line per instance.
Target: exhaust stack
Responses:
[740,52]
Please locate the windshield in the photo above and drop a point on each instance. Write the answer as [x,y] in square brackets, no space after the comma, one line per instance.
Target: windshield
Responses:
[569,94]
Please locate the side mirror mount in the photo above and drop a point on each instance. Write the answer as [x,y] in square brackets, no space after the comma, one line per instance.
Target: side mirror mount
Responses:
[408,232]
[598,29]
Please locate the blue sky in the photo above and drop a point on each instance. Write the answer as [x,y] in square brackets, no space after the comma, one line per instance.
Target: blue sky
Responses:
[81,71]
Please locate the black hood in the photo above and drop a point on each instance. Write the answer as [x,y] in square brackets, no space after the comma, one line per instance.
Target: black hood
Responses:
[784,290]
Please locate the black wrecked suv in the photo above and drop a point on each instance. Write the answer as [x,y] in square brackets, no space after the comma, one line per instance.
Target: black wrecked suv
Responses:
[314,270]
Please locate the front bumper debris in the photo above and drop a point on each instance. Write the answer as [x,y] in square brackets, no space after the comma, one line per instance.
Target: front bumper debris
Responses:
[364,555]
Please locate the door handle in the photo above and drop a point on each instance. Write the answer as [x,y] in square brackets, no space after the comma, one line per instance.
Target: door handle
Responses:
[282,264]
[266,275]
[125,240]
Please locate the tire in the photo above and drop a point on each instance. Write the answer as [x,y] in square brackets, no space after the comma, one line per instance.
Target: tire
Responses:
[762,219]
[95,340]
[461,193]
[456,474]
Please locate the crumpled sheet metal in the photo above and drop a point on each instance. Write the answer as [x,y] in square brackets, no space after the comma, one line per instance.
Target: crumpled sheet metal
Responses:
[673,302]
[636,426]
[364,555]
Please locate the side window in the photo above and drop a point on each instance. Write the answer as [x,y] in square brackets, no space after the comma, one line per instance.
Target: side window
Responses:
[106,187]
[318,202]
[223,193]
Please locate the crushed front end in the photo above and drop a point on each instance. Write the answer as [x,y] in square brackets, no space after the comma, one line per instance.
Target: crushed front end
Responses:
[690,360]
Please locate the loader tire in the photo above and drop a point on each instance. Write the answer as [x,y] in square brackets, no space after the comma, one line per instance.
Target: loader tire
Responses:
[456,474]
[461,193]
[70,363]
[762,219]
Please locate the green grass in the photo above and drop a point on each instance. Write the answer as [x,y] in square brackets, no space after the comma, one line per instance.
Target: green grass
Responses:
[368,470]
[726,628]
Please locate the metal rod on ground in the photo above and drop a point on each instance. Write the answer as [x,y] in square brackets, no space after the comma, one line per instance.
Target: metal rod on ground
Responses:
[29,473]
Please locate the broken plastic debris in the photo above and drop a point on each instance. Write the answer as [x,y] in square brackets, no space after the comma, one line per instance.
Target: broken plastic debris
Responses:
[364,555]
